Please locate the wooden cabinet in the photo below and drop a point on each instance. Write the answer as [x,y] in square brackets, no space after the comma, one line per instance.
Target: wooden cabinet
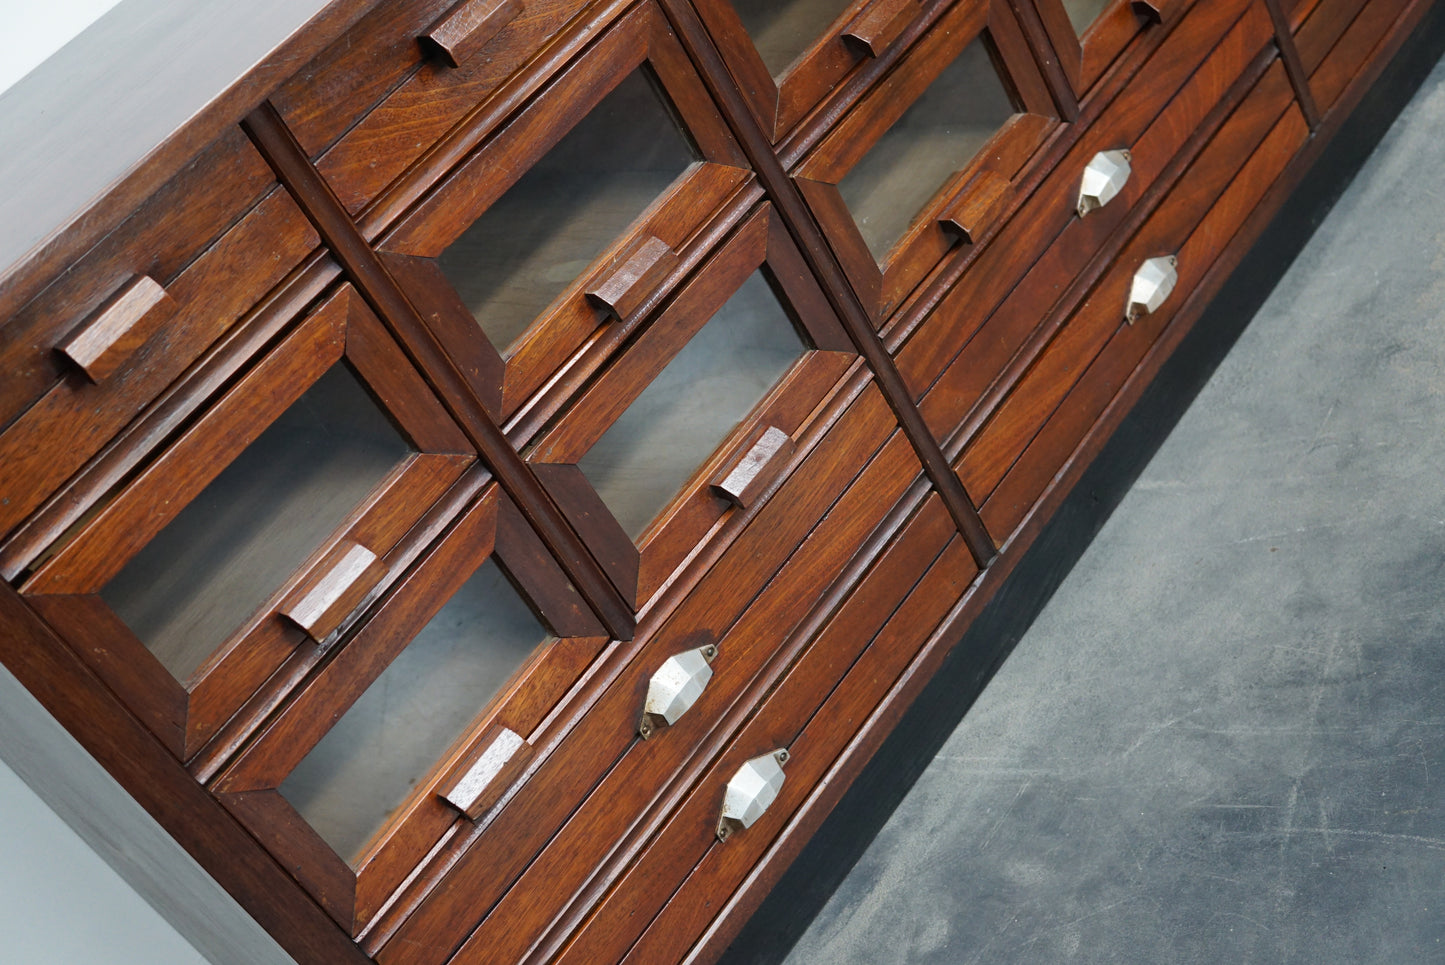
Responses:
[526,424]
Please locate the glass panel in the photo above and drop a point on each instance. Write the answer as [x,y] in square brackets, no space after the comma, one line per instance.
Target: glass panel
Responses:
[782,30]
[365,766]
[538,237]
[675,424]
[249,530]
[1082,13]
[938,135]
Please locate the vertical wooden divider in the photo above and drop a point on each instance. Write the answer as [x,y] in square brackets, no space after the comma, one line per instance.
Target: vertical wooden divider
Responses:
[367,272]
[789,201]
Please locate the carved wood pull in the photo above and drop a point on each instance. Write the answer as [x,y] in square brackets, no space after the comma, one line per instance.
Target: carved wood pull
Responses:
[757,468]
[1150,10]
[464,30]
[334,589]
[977,206]
[483,783]
[645,264]
[879,24]
[109,337]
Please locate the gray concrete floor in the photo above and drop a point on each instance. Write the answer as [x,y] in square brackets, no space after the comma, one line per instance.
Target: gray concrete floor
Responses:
[1222,739]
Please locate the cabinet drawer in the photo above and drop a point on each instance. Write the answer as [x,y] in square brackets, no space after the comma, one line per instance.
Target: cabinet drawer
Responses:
[676,883]
[629,804]
[571,217]
[1354,41]
[103,340]
[787,56]
[422,719]
[745,604]
[1088,35]
[1108,374]
[930,155]
[262,526]
[385,94]
[990,453]
[716,387]
[958,353]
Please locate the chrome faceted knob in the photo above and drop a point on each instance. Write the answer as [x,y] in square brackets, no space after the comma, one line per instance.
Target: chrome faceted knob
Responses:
[1104,178]
[1153,283]
[752,789]
[676,686]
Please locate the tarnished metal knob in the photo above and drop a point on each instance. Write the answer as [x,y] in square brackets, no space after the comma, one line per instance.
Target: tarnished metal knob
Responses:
[676,686]
[1153,283]
[752,789]
[1104,178]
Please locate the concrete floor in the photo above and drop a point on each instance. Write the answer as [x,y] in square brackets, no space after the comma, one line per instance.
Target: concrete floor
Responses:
[1224,738]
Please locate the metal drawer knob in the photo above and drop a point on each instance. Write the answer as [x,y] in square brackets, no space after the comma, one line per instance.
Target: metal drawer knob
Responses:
[1104,178]
[676,686]
[752,789]
[1153,282]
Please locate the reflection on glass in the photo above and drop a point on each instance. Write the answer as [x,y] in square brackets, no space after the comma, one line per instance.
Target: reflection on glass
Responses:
[1082,13]
[366,765]
[938,135]
[675,424]
[538,237]
[783,29]
[236,542]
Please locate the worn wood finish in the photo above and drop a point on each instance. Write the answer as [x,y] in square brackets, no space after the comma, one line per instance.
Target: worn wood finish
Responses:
[825,546]
[883,279]
[964,346]
[835,282]
[564,771]
[381,290]
[147,770]
[211,294]
[870,737]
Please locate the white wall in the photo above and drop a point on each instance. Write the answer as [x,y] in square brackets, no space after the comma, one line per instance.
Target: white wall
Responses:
[33,30]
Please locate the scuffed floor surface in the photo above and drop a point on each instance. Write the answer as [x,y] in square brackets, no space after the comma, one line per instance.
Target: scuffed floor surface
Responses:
[1222,740]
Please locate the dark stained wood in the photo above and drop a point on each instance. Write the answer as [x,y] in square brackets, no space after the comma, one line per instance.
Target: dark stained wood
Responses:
[605,728]
[212,293]
[642,266]
[829,576]
[975,209]
[160,111]
[760,638]
[333,589]
[607,540]
[134,443]
[759,466]
[106,340]
[151,775]
[1009,353]
[881,23]
[466,28]
[835,284]
[1289,53]
[381,290]
[870,737]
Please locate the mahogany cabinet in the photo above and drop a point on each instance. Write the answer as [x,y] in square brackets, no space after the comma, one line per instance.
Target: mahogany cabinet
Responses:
[493,494]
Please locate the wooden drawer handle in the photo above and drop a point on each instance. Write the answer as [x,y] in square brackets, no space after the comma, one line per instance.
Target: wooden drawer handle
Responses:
[109,337]
[758,467]
[464,30]
[483,783]
[976,208]
[1151,11]
[879,24]
[644,264]
[334,589]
